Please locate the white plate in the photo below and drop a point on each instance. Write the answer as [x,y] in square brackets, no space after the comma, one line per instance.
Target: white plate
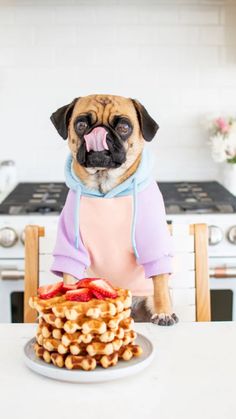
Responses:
[122,369]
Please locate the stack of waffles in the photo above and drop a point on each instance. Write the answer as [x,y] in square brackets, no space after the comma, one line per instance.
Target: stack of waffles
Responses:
[84,334]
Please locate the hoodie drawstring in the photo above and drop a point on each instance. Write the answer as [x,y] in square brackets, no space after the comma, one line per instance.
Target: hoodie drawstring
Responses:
[134,217]
[77,209]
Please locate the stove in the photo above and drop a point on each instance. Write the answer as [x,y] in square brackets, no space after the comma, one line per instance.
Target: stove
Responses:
[210,203]
[35,198]
[185,202]
[197,198]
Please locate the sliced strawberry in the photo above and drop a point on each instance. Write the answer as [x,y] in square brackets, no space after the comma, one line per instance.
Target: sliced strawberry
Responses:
[97,294]
[84,282]
[81,294]
[70,287]
[49,291]
[102,287]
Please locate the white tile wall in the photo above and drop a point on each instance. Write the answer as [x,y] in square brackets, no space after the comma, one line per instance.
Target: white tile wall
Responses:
[177,57]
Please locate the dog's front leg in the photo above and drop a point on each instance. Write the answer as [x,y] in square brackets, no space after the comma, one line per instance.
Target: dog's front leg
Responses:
[68,279]
[162,307]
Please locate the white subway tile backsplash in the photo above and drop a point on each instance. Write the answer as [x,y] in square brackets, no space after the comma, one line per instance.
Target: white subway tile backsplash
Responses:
[178,57]
[183,56]
[218,77]
[82,14]
[227,55]
[7,15]
[212,35]
[7,56]
[160,14]
[16,36]
[200,98]
[55,35]
[230,36]
[177,35]
[199,15]
[33,57]
[101,34]
[34,13]
[156,35]
[228,98]
[172,77]
[181,163]
[228,14]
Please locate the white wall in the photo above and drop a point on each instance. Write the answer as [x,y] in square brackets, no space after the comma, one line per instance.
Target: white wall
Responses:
[177,57]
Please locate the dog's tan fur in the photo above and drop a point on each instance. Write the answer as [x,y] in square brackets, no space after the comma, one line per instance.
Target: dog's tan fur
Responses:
[103,108]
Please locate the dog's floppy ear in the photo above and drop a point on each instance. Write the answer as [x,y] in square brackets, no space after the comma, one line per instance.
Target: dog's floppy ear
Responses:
[61,118]
[148,126]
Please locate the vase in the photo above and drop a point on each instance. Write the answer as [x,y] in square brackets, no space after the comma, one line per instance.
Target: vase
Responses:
[228,177]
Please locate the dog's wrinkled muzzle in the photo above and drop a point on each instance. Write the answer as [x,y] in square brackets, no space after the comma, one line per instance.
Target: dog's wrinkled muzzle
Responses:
[96,140]
[101,148]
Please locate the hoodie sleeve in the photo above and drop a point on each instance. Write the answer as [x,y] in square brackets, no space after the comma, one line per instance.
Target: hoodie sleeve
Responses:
[67,258]
[153,240]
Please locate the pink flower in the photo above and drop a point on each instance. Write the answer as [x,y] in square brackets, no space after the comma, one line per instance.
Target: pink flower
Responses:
[222,125]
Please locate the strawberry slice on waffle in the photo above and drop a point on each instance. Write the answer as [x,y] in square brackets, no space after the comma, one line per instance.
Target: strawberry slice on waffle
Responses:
[48,291]
[80,294]
[85,281]
[97,294]
[101,287]
[70,287]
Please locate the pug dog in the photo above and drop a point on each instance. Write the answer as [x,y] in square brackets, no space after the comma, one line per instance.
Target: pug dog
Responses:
[113,223]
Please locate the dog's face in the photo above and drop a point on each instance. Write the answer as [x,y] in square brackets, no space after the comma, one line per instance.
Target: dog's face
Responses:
[104,131]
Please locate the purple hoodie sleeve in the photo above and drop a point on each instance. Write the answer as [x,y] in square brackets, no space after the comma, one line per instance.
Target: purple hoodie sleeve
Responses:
[153,240]
[67,258]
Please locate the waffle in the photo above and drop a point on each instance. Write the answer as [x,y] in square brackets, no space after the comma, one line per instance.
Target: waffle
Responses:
[87,362]
[83,335]
[72,310]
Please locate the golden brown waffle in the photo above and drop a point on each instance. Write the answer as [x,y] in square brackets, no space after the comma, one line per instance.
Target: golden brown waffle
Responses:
[127,352]
[57,360]
[108,360]
[77,337]
[93,308]
[87,362]
[82,335]
[86,325]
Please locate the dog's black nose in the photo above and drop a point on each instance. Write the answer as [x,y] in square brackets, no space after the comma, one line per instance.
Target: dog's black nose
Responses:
[99,159]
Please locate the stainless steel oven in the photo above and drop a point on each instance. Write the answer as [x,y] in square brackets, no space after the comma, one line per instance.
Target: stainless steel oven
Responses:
[12,263]
[28,203]
[222,261]
[223,288]
[41,203]
[11,290]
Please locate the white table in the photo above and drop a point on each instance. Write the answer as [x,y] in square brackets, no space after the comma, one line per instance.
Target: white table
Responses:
[192,376]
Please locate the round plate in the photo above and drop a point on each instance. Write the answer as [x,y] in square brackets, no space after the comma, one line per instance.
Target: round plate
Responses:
[121,369]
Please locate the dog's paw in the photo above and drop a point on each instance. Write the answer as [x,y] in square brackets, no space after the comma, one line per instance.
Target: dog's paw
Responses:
[163,319]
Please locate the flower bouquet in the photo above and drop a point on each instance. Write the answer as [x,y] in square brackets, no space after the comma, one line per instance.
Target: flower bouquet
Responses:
[222,140]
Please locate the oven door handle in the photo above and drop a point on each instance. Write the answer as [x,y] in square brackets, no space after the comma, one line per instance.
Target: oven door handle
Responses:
[11,274]
[222,272]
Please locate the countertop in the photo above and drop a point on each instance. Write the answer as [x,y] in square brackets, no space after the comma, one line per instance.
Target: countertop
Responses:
[192,376]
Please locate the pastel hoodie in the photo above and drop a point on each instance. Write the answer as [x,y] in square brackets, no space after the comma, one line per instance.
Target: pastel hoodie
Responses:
[120,235]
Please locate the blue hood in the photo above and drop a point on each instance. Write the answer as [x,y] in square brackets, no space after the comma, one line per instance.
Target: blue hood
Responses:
[134,184]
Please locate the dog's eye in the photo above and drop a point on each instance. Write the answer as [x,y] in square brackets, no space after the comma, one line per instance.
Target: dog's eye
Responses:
[123,128]
[81,126]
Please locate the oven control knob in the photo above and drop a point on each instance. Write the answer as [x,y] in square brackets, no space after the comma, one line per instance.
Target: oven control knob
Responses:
[8,237]
[22,237]
[232,235]
[215,235]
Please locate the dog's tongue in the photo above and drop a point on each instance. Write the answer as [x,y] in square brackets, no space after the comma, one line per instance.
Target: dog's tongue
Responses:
[96,139]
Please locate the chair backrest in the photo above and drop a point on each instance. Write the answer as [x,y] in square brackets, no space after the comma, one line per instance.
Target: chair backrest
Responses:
[189,284]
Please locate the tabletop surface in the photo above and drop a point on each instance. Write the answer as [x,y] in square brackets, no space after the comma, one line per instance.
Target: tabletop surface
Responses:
[193,375]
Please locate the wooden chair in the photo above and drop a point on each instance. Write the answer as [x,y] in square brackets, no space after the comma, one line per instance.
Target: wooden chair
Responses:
[189,284]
